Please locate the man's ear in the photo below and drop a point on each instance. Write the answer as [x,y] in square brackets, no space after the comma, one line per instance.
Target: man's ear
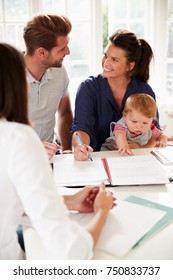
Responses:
[41,52]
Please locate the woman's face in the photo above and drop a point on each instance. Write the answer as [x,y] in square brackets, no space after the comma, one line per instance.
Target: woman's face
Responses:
[114,62]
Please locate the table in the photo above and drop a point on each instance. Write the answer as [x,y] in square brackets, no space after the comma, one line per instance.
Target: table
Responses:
[157,247]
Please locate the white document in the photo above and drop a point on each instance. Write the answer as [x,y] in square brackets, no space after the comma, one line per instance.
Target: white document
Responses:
[165,155]
[126,224]
[70,172]
[124,170]
[136,170]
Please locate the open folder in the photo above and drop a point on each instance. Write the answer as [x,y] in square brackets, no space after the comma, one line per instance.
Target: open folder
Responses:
[124,227]
[164,221]
[122,170]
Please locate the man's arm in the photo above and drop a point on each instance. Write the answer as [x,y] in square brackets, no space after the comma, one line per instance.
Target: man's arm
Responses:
[65,118]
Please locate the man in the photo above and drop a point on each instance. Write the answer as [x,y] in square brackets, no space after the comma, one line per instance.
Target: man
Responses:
[46,39]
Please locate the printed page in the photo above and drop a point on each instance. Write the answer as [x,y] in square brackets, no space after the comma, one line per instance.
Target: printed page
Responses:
[69,172]
[137,170]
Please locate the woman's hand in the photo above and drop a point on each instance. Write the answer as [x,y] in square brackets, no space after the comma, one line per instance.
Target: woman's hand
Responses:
[81,152]
[81,142]
[104,200]
[83,200]
[89,199]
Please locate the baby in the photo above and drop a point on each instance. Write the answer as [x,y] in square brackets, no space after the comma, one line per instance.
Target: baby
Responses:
[136,127]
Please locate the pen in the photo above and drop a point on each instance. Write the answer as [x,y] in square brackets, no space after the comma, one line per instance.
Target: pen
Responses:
[81,142]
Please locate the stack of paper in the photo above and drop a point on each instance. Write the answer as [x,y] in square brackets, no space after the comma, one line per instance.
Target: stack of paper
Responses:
[165,155]
[136,170]
[126,224]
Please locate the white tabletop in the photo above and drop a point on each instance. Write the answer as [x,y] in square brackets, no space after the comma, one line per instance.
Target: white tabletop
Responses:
[157,247]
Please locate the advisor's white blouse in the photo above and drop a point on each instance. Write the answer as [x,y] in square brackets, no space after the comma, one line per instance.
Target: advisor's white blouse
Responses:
[26,185]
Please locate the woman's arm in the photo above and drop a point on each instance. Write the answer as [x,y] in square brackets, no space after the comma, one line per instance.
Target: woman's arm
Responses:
[104,201]
[92,199]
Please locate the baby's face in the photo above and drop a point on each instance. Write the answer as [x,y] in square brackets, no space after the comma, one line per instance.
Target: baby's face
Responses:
[137,122]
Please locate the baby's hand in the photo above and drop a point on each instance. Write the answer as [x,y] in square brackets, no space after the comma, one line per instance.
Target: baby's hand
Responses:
[161,141]
[125,150]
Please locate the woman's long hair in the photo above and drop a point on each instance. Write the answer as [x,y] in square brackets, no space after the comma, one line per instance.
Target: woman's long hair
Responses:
[137,50]
[13,85]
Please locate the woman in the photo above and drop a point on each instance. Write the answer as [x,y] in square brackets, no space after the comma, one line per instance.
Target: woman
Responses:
[101,99]
[26,182]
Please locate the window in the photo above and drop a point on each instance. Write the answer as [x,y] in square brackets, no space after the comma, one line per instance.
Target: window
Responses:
[13,16]
[151,19]
[82,44]
[78,63]
[128,14]
[85,15]
[169,82]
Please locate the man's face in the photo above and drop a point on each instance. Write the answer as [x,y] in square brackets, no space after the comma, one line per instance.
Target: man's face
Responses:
[56,55]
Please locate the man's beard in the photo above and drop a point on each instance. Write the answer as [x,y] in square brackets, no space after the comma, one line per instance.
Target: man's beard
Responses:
[56,64]
[47,63]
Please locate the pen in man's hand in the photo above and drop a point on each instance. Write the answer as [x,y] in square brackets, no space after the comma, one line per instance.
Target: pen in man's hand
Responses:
[82,144]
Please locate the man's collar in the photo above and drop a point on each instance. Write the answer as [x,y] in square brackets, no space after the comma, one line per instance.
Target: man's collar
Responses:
[46,76]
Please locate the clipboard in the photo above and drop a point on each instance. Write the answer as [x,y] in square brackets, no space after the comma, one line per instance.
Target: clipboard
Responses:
[163,222]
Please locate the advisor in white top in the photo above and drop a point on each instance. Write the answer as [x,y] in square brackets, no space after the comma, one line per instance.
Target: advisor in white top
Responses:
[26,182]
